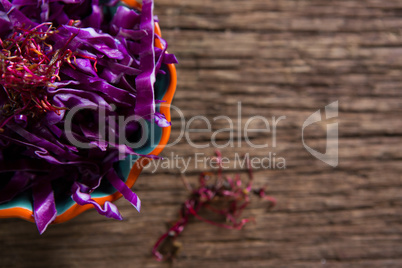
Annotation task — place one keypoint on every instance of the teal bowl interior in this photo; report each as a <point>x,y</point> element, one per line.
<point>123,167</point>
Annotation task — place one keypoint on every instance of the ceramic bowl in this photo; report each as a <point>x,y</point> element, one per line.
<point>21,207</point>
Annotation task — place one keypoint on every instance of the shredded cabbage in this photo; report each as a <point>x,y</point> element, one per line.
<point>66,55</point>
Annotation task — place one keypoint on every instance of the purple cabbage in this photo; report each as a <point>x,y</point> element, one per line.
<point>64,56</point>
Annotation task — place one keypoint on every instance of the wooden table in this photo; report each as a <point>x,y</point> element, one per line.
<point>278,58</point>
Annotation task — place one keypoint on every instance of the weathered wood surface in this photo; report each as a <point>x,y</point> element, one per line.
<point>279,58</point>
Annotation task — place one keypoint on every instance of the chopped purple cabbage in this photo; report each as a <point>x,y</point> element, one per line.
<point>57,56</point>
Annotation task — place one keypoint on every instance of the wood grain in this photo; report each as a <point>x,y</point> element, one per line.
<point>278,58</point>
